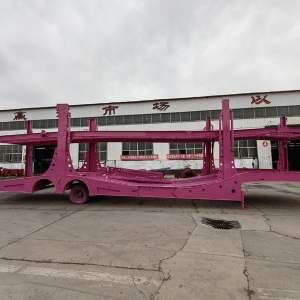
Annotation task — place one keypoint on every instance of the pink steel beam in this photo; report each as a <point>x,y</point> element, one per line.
<point>184,136</point>
<point>63,140</point>
<point>28,154</point>
<point>282,164</point>
<point>50,138</point>
<point>208,152</point>
<point>226,141</point>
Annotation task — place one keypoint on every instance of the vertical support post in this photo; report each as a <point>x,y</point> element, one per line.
<point>226,142</point>
<point>208,151</point>
<point>282,164</point>
<point>91,162</point>
<point>93,148</point>
<point>243,200</point>
<point>62,152</point>
<point>283,160</point>
<point>28,155</point>
<point>61,164</point>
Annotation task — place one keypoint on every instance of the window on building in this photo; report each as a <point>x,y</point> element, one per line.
<point>259,112</point>
<point>6,125</point>
<point>248,113</point>
<point>165,117</point>
<point>13,125</point>
<point>147,119</point>
<point>128,119</point>
<point>138,119</point>
<point>195,115</point>
<point>215,114</point>
<point>11,153</point>
<point>205,114</point>
<point>238,114</point>
<point>84,122</point>
<point>295,110</point>
<point>36,124</point>
<point>283,111</point>
<point>102,151</point>
<point>110,120</point>
<point>186,148</point>
<point>101,121</point>
<point>156,118</point>
<point>185,116</point>
<point>245,149</point>
<point>53,123</point>
<point>131,148</point>
<point>175,117</point>
<point>82,151</point>
<point>271,111</point>
<point>119,120</point>
<point>75,122</point>
<point>44,124</point>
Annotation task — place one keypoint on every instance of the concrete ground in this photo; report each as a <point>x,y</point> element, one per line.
<point>127,248</point>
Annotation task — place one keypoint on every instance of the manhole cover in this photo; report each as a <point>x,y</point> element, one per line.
<point>221,224</point>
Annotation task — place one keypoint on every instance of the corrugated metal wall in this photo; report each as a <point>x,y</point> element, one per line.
<point>176,105</point>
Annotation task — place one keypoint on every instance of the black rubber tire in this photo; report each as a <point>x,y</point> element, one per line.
<point>79,194</point>
<point>188,173</point>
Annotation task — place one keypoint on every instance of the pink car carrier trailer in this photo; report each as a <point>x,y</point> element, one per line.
<point>224,183</point>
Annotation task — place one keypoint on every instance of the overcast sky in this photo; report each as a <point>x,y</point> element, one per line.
<point>96,51</point>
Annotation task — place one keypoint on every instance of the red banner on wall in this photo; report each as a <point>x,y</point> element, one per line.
<point>184,156</point>
<point>139,157</point>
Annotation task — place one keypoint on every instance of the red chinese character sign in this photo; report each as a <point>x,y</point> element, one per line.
<point>184,156</point>
<point>161,105</point>
<point>265,143</point>
<point>109,109</point>
<point>258,100</point>
<point>20,115</point>
<point>139,157</point>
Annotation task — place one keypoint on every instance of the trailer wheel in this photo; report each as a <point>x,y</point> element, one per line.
<point>4,172</point>
<point>187,173</point>
<point>79,194</point>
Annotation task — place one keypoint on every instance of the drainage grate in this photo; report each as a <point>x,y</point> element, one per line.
<point>221,224</point>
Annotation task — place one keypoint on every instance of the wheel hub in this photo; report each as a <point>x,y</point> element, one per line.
<point>79,194</point>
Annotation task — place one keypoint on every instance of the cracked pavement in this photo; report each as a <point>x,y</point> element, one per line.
<point>133,248</point>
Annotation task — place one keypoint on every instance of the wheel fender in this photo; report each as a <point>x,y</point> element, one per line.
<point>4,172</point>
<point>187,173</point>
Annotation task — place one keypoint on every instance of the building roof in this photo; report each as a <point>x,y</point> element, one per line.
<point>151,100</point>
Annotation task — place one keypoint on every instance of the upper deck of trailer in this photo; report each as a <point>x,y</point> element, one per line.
<point>50,138</point>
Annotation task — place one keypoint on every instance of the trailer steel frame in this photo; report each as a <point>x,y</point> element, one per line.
<point>224,183</point>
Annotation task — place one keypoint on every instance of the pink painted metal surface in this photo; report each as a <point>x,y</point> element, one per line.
<point>93,179</point>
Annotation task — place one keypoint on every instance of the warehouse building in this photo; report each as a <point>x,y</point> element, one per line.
<point>251,110</point>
